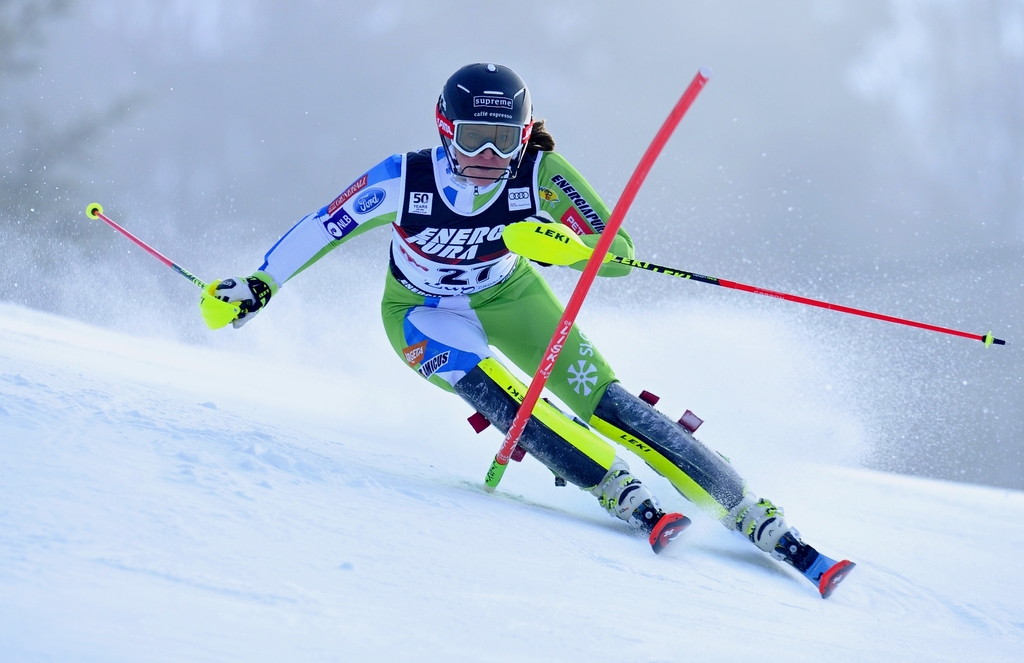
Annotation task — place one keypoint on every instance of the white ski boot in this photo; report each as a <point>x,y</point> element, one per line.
<point>759,520</point>
<point>626,498</point>
<point>763,523</point>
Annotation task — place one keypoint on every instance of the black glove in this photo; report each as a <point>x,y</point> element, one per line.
<point>251,293</point>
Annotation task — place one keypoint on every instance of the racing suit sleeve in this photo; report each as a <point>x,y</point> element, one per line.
<point>569,199</point>
<point>371,201</point>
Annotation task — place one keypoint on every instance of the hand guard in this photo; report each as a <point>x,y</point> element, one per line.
<point>541,217</point>
<point>251,293</point>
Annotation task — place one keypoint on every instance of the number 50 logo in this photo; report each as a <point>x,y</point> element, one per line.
<point>420,203</point>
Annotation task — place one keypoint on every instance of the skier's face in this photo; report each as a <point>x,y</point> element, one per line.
<point>484,168</point>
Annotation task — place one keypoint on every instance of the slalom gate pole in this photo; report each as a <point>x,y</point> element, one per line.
<point>564,326</point>
<point>558,245</point>
<point>216,313</point>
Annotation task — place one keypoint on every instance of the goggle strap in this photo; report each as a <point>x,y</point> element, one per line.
<point>444,125</point>
<point>527,132</point>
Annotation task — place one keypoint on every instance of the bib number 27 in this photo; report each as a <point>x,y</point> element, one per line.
<point>464,277</point>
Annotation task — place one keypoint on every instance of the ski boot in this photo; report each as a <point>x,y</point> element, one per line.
<point>765,525</point>
<point>623,496</point>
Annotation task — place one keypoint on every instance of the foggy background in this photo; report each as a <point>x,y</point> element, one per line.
<point>868,153</point>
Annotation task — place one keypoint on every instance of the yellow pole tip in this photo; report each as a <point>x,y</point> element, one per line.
<point>93,210</point>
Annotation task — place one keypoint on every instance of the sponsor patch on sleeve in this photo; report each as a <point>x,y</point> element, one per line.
<point>340,224</point>
<point>584,207</point>
<point>548,196</point>
<point>346,194</point>
<point>369,200</point>
<point>573,219</point>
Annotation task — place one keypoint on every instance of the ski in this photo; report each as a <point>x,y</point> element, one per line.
<point>665,532</point>
<point>823,571</point>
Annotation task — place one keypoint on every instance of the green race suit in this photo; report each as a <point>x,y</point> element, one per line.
<point>449,266</point>
<point>454,294</point>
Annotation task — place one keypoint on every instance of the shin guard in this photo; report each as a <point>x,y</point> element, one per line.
<point>568,449</point>
<point>699,474</point>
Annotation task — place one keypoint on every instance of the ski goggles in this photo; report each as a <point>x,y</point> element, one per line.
<point>472,138</point>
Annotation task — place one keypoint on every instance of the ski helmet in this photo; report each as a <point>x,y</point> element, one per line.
<point>485,106</point>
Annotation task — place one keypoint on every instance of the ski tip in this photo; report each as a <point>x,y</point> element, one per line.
<point>93,210</point>
<point>705,73</point>
<point>668,528</point>
<point>831,578</point>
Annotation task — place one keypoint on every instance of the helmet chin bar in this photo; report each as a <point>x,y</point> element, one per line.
<point>501,173</point>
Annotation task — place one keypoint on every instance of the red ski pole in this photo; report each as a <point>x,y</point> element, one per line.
<point>95,211</point>
<point>557,245</point>
<point>215,313</point>
<point>564,326</point>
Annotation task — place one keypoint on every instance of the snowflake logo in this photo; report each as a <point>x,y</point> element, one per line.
<point>582,375</point>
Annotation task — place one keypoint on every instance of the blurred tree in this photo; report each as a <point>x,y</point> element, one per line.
<point>26,144</point>
<point>950,72</point>
<point>41,160</point>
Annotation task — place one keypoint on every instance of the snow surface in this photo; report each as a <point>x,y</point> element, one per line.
<point>167,502</point>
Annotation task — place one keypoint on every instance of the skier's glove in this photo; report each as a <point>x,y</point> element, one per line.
<point>250,292</point>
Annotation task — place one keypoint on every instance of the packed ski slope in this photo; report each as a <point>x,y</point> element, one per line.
<point>166,502</point>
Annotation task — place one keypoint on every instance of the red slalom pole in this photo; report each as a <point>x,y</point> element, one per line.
<point>564,326</point>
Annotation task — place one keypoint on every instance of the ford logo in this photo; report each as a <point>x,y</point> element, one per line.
<point>369,201</point>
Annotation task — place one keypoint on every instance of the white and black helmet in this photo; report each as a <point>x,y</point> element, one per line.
<point>485,106</point>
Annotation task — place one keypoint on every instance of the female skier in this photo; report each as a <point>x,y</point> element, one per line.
<point>453,290</point>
